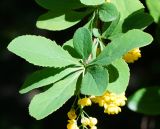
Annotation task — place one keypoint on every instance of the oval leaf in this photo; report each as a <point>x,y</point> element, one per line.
<point>131,22</point>
<point>118,76</point>
<point>49,101</point>
<point>108,29</point>
<point>82,42</point>
<point>60,20</point>
<point>45,77</point>
<point>95,81</point>
<point>146,101</point>
<point>119,46</point>
<point>125,8</point>
<point>154,8</point>
<point>41,51</point>
<point>108,12</point>
<point>68,46</point>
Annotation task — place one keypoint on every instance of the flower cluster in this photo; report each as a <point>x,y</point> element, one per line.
<point>72,123</point>
<point>72,114</point>
<point>84,102</point>
<point>85,121</point>
<point>110,101</point>
<point>91,122</point>
<point>132,55</point>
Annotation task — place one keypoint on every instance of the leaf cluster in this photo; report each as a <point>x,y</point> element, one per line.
<point>113,28</point>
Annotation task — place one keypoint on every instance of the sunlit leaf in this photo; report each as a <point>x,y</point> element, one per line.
<point>82,42</point>
<point>108,12</point>
<point>49,101</point>
<point>154,8</point>
<point>119,76</point>
<point>95,81</point>
<point>41,51</point>
<point>46,77</point>
<point>119,46</point>
<point>146,101</point>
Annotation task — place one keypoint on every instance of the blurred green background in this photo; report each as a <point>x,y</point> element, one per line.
<point>18,18</point>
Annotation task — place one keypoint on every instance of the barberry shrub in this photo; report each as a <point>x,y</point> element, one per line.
<point>92,66</point>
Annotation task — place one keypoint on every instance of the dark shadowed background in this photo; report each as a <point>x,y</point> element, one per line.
<point>18,17</point>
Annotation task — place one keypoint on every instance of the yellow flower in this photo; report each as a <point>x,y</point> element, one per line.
<point>93,127</point>
<point>93,121</point>
<point>112,109</point>
<point>98,99</point>
<point>110,101</point>
<point>132,55</point>
<point>94,99</point>
<point>72,114</point>
<point>101,102</point>
<point>85,102</point>
<point>85,121</point>
<point>72,124</point>
<point>120,101</point>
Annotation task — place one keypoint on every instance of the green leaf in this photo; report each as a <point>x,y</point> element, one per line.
<point>82,42</point>
<point>108,12</point>
<point>49,101</point>
<point>154,9</point>
<point>68,46</point>
<point>68,43</point>
<point>41,51</point>
<point>119,46</point>
<point>60,4</point>
<point>118,76</point>
<point>92,2</point>
<point>60,20</point>
<point>89,22</point>
<point>146,101</point>
<point>95,81</point>
<point>45,77</point>
<point>125,8</point>
<point>110,28</point>
<point>131,22</point>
